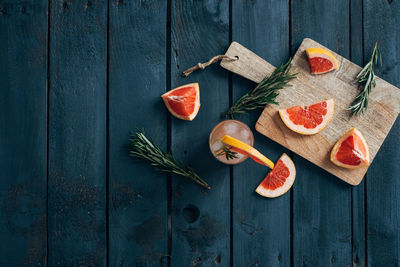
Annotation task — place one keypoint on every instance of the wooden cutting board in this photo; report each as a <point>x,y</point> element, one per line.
<point>375,124</point>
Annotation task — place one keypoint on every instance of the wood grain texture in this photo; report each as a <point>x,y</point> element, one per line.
<point>261,227</point>
<point>77,134</point>
<point>138,194</point>
<point>321,203</point>
<point>23,27</point>
<point>384,106</point>
<point>248,64</point>
<point>200,218</point>
<point>383,184</point>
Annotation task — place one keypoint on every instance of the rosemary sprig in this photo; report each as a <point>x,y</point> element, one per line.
<point>265,92</point>
<point>143,148</point>
<point>227,152</point>
<point>365,80</point>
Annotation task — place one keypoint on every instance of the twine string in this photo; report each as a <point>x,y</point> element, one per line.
<point>208,63</point>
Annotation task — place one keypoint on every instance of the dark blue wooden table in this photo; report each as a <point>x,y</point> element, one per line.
<point>77,76</point>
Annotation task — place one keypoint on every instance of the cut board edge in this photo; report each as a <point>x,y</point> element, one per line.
<point>233,66</point>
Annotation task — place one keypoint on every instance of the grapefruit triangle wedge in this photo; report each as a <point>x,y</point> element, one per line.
<point>279,180</point>
<point>351,150</point>
<point>184,101</point>
<point>245,149</point>
<point>321,60</point>
<point>308,120</point>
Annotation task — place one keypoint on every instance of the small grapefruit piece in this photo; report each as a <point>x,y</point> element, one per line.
<point>321,60</point>
<point>308,120</point>
<point>279,180</point>
<point>184,101</point>
<point>351,151</point>
<point>247,150</point>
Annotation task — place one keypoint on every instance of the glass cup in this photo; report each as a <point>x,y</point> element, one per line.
<point>233,128</point>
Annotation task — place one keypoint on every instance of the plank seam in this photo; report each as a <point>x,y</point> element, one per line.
<point>169,132</point>
<point>365,177</point>
<point>352,210</point>
<point>47,130</point>
<point>107,137</point>
<point>291,206</point>
<point>350,32</point>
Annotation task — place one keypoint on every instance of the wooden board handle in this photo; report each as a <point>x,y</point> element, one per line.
<point>248,65</point>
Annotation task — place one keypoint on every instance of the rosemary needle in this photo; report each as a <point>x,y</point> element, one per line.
<point>265,92</point>
<point>144,149</point>
<point>365,80</point>
<point>227,152</point>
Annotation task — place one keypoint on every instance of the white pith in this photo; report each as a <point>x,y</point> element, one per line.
<point>300,128</point>
<point>286,186</point>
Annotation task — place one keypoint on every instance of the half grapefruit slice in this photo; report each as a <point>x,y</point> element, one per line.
<point>321,60</point>
<point>308,120</point>
<point>279,180</point>
<point>351,151</point>
<point>245,149</point>
<point>184,101</point>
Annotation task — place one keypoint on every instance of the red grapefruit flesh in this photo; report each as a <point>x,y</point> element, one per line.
<point>183,102</point>
<point>279,180</point>
<point>308,120</point>
<point>320,65</point>
<point>321,60</point>
<point>351,151</point>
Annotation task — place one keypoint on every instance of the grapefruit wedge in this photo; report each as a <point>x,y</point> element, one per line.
<point>184,101</point>
<point>245,149</point>
<point>279,180</point>
<point>321,60</point>
<point>351,151</point>
<point>308,120</point>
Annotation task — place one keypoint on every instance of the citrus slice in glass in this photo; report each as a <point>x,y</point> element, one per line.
<point>245,149</point>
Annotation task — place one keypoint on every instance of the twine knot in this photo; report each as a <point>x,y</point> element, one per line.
<point>208,63</point>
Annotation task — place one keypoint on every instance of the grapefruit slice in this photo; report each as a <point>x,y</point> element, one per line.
<point>321,60</point>
<point>184,101</point>
<point>351,151</point>
<point>247,150</point>
<point>308,120</point>
<point>279,180</point>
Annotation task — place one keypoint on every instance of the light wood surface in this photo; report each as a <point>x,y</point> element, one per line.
<point>375,124</point>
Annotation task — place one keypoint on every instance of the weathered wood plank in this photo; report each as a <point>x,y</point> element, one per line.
<point>247,64</point>
<point>261,227</point>
<point>200,219</point>
<point>23,28</point>
<point>357,192</point>
<point>381,20</point>
<point>77,134</point>
<point>321,204</point>
<point>138,194</point>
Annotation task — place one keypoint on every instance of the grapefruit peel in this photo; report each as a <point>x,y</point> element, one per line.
<point>321,60</point>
